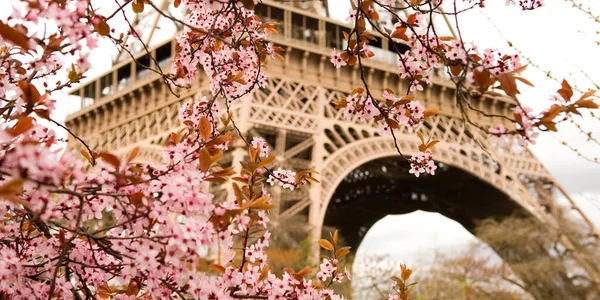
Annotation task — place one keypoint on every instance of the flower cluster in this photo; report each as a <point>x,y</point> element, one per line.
<point>422,163</point>
<point>361,106</point>
<point>227,43</point>
<point>261,145</point>
<point>498,135</point>
<point>44,42</point>
<point>404,111</point>
<point>191,112</point>
<point>526,4</point>
<point>284,178</point>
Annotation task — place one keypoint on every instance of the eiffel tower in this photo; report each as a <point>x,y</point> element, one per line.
<point>362,177</point>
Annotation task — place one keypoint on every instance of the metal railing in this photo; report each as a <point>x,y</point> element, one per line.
<point>294,24</point>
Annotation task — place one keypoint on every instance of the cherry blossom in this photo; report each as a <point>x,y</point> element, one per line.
<point>284,178</point>
<point>336,59</point>
<point>261,145</point>
<point>422,163</point>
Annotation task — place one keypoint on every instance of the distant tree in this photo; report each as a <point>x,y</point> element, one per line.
<point>533,266</point>
<point>537,254</point>
<point>471,275</point>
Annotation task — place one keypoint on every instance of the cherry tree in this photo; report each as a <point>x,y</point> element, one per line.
<point>99,226</point>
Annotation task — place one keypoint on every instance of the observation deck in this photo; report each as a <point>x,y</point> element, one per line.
<point>301,32</point>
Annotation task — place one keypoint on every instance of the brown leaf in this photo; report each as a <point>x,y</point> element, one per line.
<point>392,123</point>
<point>249,4</point>
<point>304,271</point>
<point>358,91</point>
<point>456,69</point>
<point>266,161</point>
<point>23,124</point>
<point>137,6</point>
<point>136,198</point>
<point>102,27</point>
<point>587,94</point>
<point>133,288</point>
<point>565,91</point>
<point>104,291</point>
<point>551,113</point>
<point>205,128</point>
<point>400,33</point>
<point>86,154</point>
<point>225,172</point>
<point>30,93</point>
<point>508,84</point>
<point>406,272</point>
<point>523,80</point>
<point>430,112</point>
<point>264,273</point>
<point>342,252</point>
<point>352,60</point>
<point>432,144</point>
<point>133,154</point>
<point>110,159</point>
<point>11,189</point>
<point>14,36</point>
<point>411,19</point>
<point>334,238</point>
<point>421,137</point>
<point>326,244</point>
<point>483,79</point>
<point>54,43</point>
<point>205,159</point>
<point>586,104</point>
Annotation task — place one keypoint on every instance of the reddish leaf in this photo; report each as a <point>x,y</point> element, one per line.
<point>14,36</point>
<point>565,91</point>
<point>30,92</point>
<point>400,33</point>
<point>411,19</point>
<point>137,6</point>
<point>11,189</point>
<point>205,159</point>
<point>342,252</point>
<point>23,124</point>
<point>326,244</point>
<point>525,81</point>
<point>219,269</point>
<point>110,159</point>
<point>249,4</point>
<point>102,28</point>
<point>136,198</point>
<point>86,154</point>
<point>430,112</point>
<point>133,154</point>
<point>587,94</point>
<point>456,69</point>
<point>508,84</point>
<point>205,128</point>
<point>586,104</point>
<point>133,288</point>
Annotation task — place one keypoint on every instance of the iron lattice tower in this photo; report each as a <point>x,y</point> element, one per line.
<point>129,106</point>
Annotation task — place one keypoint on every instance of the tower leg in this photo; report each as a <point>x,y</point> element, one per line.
<point>314,222</point>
